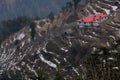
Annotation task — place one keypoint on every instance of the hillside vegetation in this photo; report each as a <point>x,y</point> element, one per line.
<point>55,48</point>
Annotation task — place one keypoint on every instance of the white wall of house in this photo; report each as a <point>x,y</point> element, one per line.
<point>82,24</point>
<point>102,19</point>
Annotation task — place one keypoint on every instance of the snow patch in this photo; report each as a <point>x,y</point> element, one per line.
<point>108,44</point>
<point>29,39</point>
<point>57,61</point>
<point>65,59</point>
<point>75,71</point>
<point>51,64</point>
<point>18,68</point>
<point>20,36</point>
<point>111,58</point>
<point>113,51</point>
<point>32,70</point>
<point>84,42</point>
<point>94,11</point>
<point>70,43</point>
<point>94,48</point>
<point>38,26</point>
<point>95,34</point>
<point>106,10</point>
<point>22,44</point>
<point>101,52</point>
<point>1,71</point>
<point>39,34</point>
<point>89,36</point>
<point>104,61</point>
<point>88,11</point>
<point>63,49</point>
<point>112,37</point>
<point>115,68</point>
<point>114,7</point>
<point>23,63</point>
<point>44,48</point>
<point>38,51</point>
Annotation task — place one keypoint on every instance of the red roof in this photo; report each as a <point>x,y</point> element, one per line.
<point>92,18</point>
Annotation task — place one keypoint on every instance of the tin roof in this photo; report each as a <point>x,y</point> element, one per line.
<point>92,18</point>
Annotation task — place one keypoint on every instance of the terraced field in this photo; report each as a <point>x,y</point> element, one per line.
<point>55,50</point>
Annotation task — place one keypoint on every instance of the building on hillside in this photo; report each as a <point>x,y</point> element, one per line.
<point>92,20</point>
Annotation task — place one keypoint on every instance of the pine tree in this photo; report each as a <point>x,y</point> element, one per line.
<point>76,2</point>
<point>51,16</point>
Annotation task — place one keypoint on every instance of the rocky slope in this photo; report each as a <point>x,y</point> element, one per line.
<point>60,46</point>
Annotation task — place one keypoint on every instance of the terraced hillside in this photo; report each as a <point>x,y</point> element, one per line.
<point>58,48</point>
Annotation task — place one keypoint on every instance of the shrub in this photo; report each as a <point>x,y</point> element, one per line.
<point>51,16</point>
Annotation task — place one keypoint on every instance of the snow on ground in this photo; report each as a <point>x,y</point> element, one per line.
<point>44,47</point>
<point>23,63</point>
<point>65,59</point>
<point>94,48</point>
<point>22,56</point>
<point>106,10</point>
<point>1,46</point>
<point>115,68</point>
<point>89,36</point>
<point>88,11</point>
<point>118,33</point>
<point>39,34</point>
<point>114,7</point>
<point>20,36</point>
<point>57,61</point>
<point>104,61</point>
<point>114,28</point>
<point>94,11</point>
<point>101,52</point>
<point>113,51</point>
<point>75,71</point>
<point>95,34</point>
<point>29,39</point>
<point>5,57</point>
<point>51,52</point>
<point>38,26</point>
<point>18,68</point>
<point>70,43</point>
<point>108,44</point>
<point>45,50</point>
<point>63,49</point>
<point>51,64</point>
<point>118,24</point>
<point>22,44</point>
<point>113,37</point>
<point>1,71</point>
<point>111,58</point>
<point>36,61</point>
<point>84,42</point>
<point>32,70</point>
<point>6,44</point>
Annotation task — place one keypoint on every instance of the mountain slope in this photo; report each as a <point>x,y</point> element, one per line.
<point>58,47</point>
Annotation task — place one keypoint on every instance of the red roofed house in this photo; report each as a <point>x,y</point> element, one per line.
<point>92,20</point>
